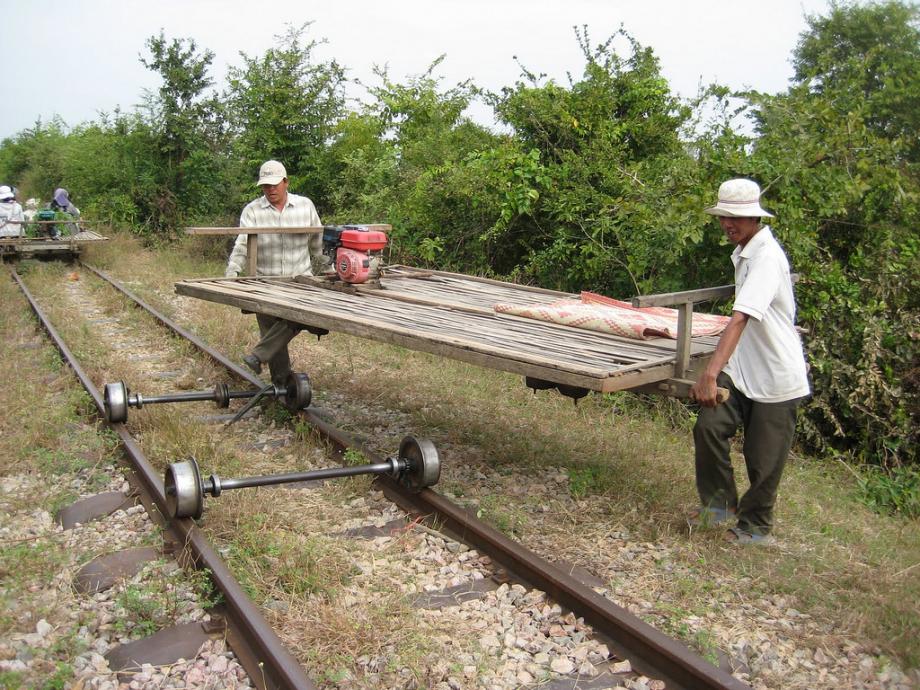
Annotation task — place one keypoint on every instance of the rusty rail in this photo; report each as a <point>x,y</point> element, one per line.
<point>260,651</point>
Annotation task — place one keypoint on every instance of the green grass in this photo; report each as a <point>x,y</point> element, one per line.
<point>502,514</point>
<point>896,490</point>
<point>140,611</point>
<point>270,560</point>
<point>11,680</point>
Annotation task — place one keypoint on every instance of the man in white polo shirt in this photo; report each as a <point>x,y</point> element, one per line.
<point>277,255</point>
<point>759,358</point>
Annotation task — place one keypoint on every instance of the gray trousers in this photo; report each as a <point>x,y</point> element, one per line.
<point>769,429</point>
<point>272,347</point>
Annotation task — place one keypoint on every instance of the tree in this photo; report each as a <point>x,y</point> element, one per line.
<point>609,206</point>
<point>863,58</point>
<point>286,106</point>
<point>189,131</point>
<point>427,140</point>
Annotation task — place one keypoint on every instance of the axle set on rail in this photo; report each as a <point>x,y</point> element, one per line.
<point>296,395</point>
<point>416,466</point>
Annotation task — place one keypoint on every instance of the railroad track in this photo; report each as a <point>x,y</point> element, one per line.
<point>439,557</point>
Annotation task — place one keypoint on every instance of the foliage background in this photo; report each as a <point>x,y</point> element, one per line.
<point>595,184</point>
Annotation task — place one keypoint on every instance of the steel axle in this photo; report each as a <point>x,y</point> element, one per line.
<point>416,466</point>
<point>117,397</point>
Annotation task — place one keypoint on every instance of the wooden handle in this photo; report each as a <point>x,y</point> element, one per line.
<point>681,389</point>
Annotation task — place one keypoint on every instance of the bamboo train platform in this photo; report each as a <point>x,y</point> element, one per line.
<point>452,315</point>
<point>28,247</point>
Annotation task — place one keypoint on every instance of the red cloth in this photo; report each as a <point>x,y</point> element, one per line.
<point>598,313</point>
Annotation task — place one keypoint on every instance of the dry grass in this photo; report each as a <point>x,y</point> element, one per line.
<point>46,422</point>
<point>280,550</point>
<point>841,562</point>
<point>632,465</point>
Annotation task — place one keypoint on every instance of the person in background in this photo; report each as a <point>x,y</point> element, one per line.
<point>63,209</point>
<point>759,358</point>
<point>61,203</point>
<point>278,255</point>
<point>11,215</point>
<point>30,210</point>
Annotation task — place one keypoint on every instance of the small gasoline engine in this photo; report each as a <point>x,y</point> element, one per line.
<point>355,251</point>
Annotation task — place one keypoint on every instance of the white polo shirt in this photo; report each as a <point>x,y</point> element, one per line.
<point>768,364</point>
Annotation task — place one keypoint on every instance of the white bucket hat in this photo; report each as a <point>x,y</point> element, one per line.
<point>6,193</point>
<point>739,198</point>
<point>271,172</point>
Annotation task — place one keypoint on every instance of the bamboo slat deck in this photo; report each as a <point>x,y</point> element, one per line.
<point>451,315</point>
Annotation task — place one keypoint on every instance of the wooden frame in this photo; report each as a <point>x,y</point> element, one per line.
<point>684,302</point>
<point>451,315</point>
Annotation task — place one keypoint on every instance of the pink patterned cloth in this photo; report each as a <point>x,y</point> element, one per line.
<point>598,313</point>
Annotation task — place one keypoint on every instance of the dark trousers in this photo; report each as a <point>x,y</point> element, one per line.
<point>272,347</point>
<point>769,429</point>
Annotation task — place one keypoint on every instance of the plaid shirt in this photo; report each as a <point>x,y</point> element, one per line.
<point>278,255</point>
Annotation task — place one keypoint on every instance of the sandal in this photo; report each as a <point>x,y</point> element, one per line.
<point>709,517</point>
<point>736,535</point>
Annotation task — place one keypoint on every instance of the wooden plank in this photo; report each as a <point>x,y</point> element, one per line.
<point>370,328</point>
<point>561,335</point>
<point>678,388</point>
<point>252,254</point>
<point>412,341</point>
<point>567,336</point>
<point>487,281</point>
<point>637,377</point>
<point>670,299</point>
<point>684,330</point>
<point>40,242</point>
<point>73,221</point>
<point>406,312</point>
<point>271,229</point>
<point>305,230</point>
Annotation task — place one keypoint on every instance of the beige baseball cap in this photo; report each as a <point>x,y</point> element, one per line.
<point>271,172</point>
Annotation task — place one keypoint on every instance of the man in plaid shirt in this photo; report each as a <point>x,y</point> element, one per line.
<point>278,255</point>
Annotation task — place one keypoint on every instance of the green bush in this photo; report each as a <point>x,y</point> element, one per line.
<point>896,490</point>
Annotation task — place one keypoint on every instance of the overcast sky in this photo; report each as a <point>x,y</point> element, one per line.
<point>76,58</point>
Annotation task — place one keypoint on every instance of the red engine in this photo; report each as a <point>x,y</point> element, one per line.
<point>357,250</point>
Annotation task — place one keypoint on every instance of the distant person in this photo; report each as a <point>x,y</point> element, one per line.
<point>30,209</point>
<point>759,358</point>
<point>278,255</point>
<point>61,202</point>
<point>65,210</point>
<point>11,214</point>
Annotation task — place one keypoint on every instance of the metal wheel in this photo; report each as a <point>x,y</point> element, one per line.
<point>115,402</point>
<point>222,395</point>
<point>184,494</point>
<point>299,392</point>
<point>424,465</point>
